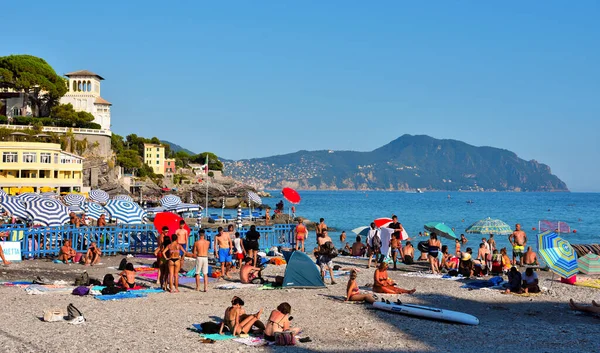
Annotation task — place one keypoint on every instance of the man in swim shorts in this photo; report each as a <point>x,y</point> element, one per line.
<point>518,240</point>
<point>200,251</point>
<point>223,248</point>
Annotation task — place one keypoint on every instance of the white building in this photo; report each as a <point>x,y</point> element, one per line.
<point>84,94</point>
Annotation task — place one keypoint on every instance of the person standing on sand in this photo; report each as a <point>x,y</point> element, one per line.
<point>301,234</point>
<point>251,244</point>
<point>324,260</point>
<point>182,238</point>
<point>432,255</point>
<point>397,227</point>
<point>373,244</point>
<point>200,252</point>
<point>223,248</point>
<point>172,254</point>
<point>518,240</point>
<point>492,243</point>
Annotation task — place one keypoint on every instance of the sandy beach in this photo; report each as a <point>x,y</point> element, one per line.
<point>161,322</point>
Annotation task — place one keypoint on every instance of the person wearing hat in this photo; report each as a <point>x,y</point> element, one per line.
<point>465,267</point>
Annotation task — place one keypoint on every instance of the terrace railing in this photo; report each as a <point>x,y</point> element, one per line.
<point>39,242</point>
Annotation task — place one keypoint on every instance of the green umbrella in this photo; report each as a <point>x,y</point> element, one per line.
<point>489,226</point>
<point>589,264</point>
<point>440,229</point>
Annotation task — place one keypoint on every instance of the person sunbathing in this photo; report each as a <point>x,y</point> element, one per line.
<point>449,261</point>
<point>127,277</point>
<point>530,257</point>
<point>593,309</point>
<point>409,254</point>
<point>249,273</point>
<point>384,284</point>
<point>279,321</point>
<point>233,321</point>
<point>93,254</point>
<point>353,293</point>
<point>66,253</point>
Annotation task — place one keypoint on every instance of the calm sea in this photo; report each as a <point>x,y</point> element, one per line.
<point>346,210</point>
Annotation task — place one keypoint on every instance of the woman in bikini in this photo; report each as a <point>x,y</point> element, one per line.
<point>236,321</point>
<point>353,293</point>
<point>127,279</point>
<point>163,266</point>
<point>171,254</point>
<point>432,255</point>
<point>384,284</point>
<point>301,233</point>
<point>279,321</point>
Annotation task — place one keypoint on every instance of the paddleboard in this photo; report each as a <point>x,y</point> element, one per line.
<point>428,312</point>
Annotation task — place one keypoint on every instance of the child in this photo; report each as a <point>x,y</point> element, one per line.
<point>239,249</point>
<point>127,279</point>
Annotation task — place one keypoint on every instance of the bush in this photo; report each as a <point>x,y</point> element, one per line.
<point>27,120</point>
<point>3,119</point>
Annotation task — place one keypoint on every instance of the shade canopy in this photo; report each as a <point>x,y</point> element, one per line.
<point>125,211</point>
<point>98,195</point>
<point>440,229</point>
<point>589,264</point>
<point>169,201</point>
<point>489,226</point>
<point>558,254</point>
<point>291,195</point>
<point>47,212</point>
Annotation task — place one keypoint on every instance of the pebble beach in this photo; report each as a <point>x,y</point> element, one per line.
<point>161,322</point>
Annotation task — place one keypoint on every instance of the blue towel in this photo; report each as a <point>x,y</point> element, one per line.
<point>121,295</point>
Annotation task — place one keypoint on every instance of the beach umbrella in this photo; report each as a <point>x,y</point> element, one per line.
<point>94,210</point>
<point>99,196</point>
<point>291,195</point>
<point>47,212</point>
<point>238,221</point>
<point>169,201</point>
<point>51,195</point>
<point>73,199</point>
<point>558,254</point>
<point>170,220</point>
<point>589,264</point>
<point>489,226</point>
<point>252,196</point>
<point>125,211</point>
<point>382,222</point>
<point>156,209</point>
<point>75,209</point>
<point>14,206</point>
<point>122,197</point>
<point>2,193</point>
<point>28,196</point>
<point>185,207</point>
<point>440,229</point>
<point>362,231</point>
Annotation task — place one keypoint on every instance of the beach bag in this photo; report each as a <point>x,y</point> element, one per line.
<point>329,250</point>
<point>210,327</point>
<point>376,241</point>
<point>285,338</point>
<point>73,312</point>
<point>113,290</point>
<point>122,264</point>
<point>54,315</point>
<point>108,281</point>
<point>81,291</point>
<point>82,280</point>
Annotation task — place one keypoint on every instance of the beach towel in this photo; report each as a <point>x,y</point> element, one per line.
<point>430,275</point>
<point>269,286</point>
<point>122,295</point>
<point>494,282</point>
<point>236,285</point>
<point>17,283</point>
<point>144,269</point>
<point>526,294</point>
<point>48,288</point>
<point>252,341</point>
<point>212,336</point>
<point>590,283</point>
<point>337,274</point>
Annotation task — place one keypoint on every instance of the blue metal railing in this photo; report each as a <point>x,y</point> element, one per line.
<point>46,241</point>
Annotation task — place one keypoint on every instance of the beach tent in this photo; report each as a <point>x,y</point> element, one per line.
<point>302,272</point>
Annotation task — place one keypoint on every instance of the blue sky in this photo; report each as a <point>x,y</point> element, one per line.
<point>253,79</point>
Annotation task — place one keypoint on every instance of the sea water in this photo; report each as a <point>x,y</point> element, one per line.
<point>346,210</point>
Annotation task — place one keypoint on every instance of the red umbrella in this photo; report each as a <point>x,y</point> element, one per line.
<point>382,222</point>
<point>291,195</point>
<point>170,220</point>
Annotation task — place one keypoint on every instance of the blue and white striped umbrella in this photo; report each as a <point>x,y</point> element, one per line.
<point>28,196</point>
<point>252,196</point>
<point>169,201</point>
<point>125,211</point>
<point>98,196</point>
<point>185,207</point>
<point>47,212</point>
<point>94,210</point>
<point>75,209</point>
<point>51,195</point>
<point>2,193</point>
<point>74,199</point>
<point>156,209</point>
<point>14,206</point>
<point>123,197</point>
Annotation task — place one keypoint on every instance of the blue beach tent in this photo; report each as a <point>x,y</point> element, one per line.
<point>302,272</point>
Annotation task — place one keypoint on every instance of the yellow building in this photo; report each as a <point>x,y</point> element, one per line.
<point>37,167</point>
<point>154,156</point>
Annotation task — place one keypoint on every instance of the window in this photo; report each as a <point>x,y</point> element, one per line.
<point>157,162</point>
<point>56,158</point>
<point>157,155</point>
<point>157,149</point>
<point>16,112</point>
<point>74,86</point>
<point>89,86</point>
<point>29,157</point>
<point>46,158</point>
<point>10,157</point>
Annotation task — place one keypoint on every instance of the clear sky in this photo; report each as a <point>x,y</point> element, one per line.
<point>251,79</point>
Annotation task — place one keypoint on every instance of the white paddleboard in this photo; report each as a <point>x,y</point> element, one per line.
<point>428,312</point>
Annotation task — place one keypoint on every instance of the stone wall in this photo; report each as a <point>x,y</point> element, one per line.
<point>98,146</point>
